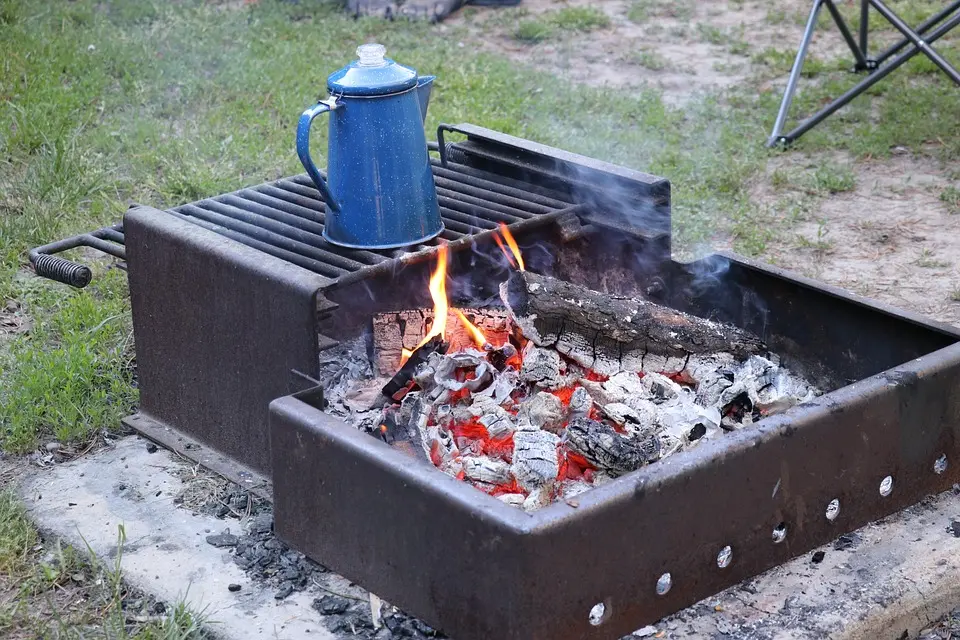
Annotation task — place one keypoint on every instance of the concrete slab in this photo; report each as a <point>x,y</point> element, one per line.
<point>166,554</point>
<point>896,576</point>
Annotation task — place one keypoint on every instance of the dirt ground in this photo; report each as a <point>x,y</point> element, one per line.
<point>891,237</point>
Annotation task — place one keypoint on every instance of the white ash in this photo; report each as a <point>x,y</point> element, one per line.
<point>655,363</point>
<point>538,498</point>
<point>580,403</point>
<point>608,450</point>
<point>504,383</point>
<point>486,470</point>
<point>542,367</point>
<point>661,388</point>
<point>512,499</point>
<point>624,386</point>
<point>627,417</point>
<point>544,411</point>
<point>472,361</point>
<point>534,457</point>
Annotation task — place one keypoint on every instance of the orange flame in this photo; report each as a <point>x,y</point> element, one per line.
<point>514,249</point>
<point>438,292</point>
<point>496,238</point>
<point>478,338</point>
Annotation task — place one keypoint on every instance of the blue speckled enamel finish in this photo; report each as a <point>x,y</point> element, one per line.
<point>354,80</point>
<point>379,189</point>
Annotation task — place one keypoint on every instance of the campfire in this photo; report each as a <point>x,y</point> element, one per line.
<point>561,390</point>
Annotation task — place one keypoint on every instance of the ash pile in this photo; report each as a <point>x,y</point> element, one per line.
<point>580,388</point>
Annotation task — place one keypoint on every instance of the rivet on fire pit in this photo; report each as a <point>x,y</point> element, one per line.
<point>833,510</point>
<point>725,557</point>
<point>664,583</point>
<point>886,486</point>
<point>600,613</point>
<point>780,533</point>
<point>940,465</point>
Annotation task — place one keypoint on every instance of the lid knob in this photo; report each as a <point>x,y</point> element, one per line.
<point>371,55</point>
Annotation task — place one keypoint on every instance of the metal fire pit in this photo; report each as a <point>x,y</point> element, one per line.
<point>235,297</point>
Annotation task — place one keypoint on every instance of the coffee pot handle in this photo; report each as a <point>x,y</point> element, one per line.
<point>303,148</point>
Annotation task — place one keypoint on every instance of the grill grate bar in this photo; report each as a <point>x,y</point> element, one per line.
<point>474,183</point>
<point>310,264</point>
<point>224,216</point>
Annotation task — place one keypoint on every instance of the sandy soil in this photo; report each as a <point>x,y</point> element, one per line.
<point>683,48</point>
<point>890,238</point>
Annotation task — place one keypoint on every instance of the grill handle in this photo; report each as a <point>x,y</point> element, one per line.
<point>61,270</point>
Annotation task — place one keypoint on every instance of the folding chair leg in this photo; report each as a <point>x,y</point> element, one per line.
<point>922,29</point>
<point>859,56</point>
<point>922,45</point>
<point>864,29</point>
<point>866,83</point>
<point>795,74</point>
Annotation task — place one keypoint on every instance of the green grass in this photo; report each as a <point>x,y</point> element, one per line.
<point>641,11</point>
<point>550,24</point>
<point>649,60</point>
<point>179,101</point>
<point>951,195</point>
<point>51,590</point>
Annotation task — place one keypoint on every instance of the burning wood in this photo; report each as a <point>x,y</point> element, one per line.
<point>572,388</point>
<point>588,326</point>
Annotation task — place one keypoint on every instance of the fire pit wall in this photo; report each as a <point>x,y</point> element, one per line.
<point>650,542</point>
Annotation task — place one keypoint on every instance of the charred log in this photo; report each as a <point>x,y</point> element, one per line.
<point>606,449</point>
<point>395,331</point>
<point>614,333</point>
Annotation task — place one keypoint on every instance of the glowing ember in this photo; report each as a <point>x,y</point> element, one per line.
<point>516,260</point>
<point>478,338</point>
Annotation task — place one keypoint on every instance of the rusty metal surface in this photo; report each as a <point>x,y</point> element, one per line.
<point>477,568</point>
<point>218,327</point>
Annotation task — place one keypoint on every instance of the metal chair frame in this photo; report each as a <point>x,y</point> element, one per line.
<point>917,41</point>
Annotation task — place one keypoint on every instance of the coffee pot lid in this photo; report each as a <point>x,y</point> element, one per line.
<point>372,74</point>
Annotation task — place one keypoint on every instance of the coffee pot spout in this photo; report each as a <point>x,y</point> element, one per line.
<point>424,86</point>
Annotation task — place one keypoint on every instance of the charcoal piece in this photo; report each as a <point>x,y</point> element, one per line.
<point>818,556</point>
<point>580,403</point>
<point>499,356</point>
<point>546,309</point>
<point>544,411</point>
<point>846,542</point>
<point>606,449</point>
<point>534,457</point>
<point>223,540</point>
<point>624,416</point>
<point>661,388</point>
<point>285,590</point>
<point>446,374</point>
<point>233,587</point>
<point>331,605</point>
<point>262,523</point>
<point>485,469</point>
<point>504,383</point>
<point>542,367</point>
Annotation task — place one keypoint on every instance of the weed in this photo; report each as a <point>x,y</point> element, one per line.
<point>579,19</point>
<point>955,295</point>
<point>649,60</point>
<point>566,20</point>
<point>928,261</point>
<point>711,34</point>
<point>642,10</point>
<point>533,31</point>
<point>831,178</point>
<point>951,195</point>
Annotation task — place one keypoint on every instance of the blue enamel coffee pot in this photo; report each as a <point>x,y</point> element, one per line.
<point>379,189</point>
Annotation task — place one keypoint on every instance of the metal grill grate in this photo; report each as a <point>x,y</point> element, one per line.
<point>285,219</point>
